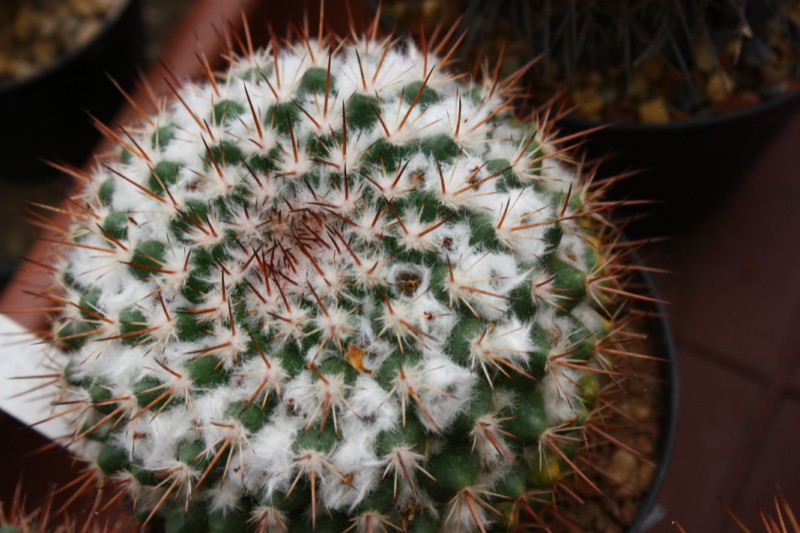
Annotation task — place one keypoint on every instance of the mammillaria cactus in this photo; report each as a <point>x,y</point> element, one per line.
<point>337,287</point>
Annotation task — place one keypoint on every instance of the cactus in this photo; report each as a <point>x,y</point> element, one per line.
<point>15,519</point>
<point>337,287</point>
<point>781,519</point>
<point>646,60</point>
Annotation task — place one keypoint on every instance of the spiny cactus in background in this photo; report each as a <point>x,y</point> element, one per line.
<point>337,287</point>
<point>645,60</point>
<point>782,520</point>
<point>19,516</point>
<point>14,518</point>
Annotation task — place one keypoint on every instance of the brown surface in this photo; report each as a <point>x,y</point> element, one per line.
<point>714,401</point>
<point>736,319</point>
<point>26,457</point>
<point>776,462</point>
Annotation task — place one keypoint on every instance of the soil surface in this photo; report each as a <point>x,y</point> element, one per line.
<point>627,437</point>
<point>34,34</point>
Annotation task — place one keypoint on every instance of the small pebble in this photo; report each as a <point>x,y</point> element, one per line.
<point>774,73</point>
<point>704,59</point>
<point>639,87</point>
<point>719,87</point>
<point>590,101</point>
<point>431,9</point>
<point>654,111</point>
<point>628,511</point>
<point>623,467</point>
<point>644,478</point>
<point>644,445</point>
<point>734,50</point>
<point>642,412</point>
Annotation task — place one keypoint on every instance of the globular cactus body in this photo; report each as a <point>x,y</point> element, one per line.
<point>335,287</point>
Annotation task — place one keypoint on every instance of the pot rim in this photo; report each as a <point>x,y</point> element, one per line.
<point>63,62</point>
<point>691,124</point>
<point>659,327</point>
<point>658,324</point>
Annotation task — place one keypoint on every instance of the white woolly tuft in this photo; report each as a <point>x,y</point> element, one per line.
<point>573,250</point>
<point>376,351</point>
<point>164,433</point>
<point>433,322</point>
<point>506,347</point>
<point>560,393</point>
<point>446,389</point>
<point>591,319</point>
<point>210,409</point>
<point>225,497</point>
<point>270,454</point>
<point>372,411</point>
<point>483,283</point>
<point>522,220</point>
<point>350,459</point>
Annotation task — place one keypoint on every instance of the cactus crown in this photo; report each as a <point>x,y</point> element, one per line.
<point>335,287</point>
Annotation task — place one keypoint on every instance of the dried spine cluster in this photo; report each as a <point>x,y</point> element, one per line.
<point>336,287</point>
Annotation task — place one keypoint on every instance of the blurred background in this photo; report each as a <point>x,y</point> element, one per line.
<point>723,168</point>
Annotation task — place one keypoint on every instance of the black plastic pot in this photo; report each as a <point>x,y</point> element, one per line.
<point>45,116</point>
<point>7,269</point>
<point>660,335</point>
<point>687,168</point>
<point>665,142</point>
